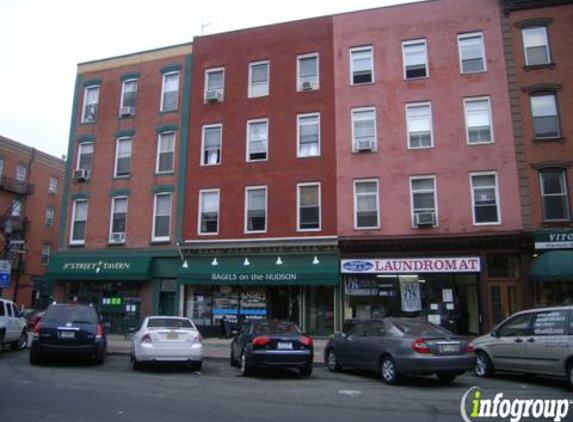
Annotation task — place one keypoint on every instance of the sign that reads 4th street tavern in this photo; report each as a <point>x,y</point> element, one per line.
<point>96,266</point>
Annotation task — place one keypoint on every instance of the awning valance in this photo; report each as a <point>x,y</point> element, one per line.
<point>552,266</point>
<point>99,268</point>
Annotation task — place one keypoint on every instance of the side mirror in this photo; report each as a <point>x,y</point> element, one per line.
<point>494,333</point>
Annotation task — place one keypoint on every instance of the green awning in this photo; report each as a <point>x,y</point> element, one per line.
<point>262,270</point>
<point>81,267</point>
<point>553,266</point>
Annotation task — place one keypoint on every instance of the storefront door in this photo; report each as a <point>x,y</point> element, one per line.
<point>504,300</point>
<point>320,309</point>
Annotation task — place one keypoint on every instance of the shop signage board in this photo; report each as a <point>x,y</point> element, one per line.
<point>95,268</point>
<point>5,270</point>
<point>554,240</point>
<point>471,264</point>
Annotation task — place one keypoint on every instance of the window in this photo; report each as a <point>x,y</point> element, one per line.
<point>214,85</point>
<point>85,156</point>
<point>536,46</point>
<point>123,157</point>
<point>307,72</point>
<point>79,222</point>
<point>46,247</point>
<point>361,65</point>
<point>209,211</point>
<point>258,79</point>
<point>415,59</point>
<point>545,117</point>
<point>165,152</point>
<point>1,167</point>
<point>118,225</point>
<point>485,198</point>
<point>308,135</point>
<point>419,122</point>
<point>50,215</point>
<point>478,121</point>
<point>170,92</point>
<point>308,206</point>
<point>212,145</point>
<point>423,191</point>
<point>128,94</point>
<point>554,196</point>
<point>16,208</point>
<point>91,98</point>
<point>515,327</point>
<point>256,210</point>
<point>21,172</point>
<point>257,140</point>
<point>550,323</point>
<point>363,129</point>
<point>472,53</point>
<point>53,186</point>
<point>366,214</point>
<point>161,217</point>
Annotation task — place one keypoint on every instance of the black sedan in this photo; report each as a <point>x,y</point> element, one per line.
<point>272,343</point>
<point>69,331</point>
<point>396,346</point>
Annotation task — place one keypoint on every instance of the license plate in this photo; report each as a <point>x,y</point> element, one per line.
<point>67,334</point>
<point>284,345</point>
<point>172,336</point>
<point>450,348</point>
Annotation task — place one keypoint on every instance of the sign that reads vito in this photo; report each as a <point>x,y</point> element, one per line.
<point>470,264</point>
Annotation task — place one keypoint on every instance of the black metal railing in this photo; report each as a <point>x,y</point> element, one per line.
<point>20,187</point>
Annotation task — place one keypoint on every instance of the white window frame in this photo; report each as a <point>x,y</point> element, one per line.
<point>206,85</point>
<point>53,185</point>
<point>352,120</point>
<point>85,105</point>
<point>46,252</point>
<point>246,222</point>
<point>74,211</point>
<point>300,117</point>
<point>21,173</point>
<point>490,117</point>
<point>565,194</point>
<point>414,105</point>
<point>123,91</point>
<point>268,84</point>
<point>434,192</point>
<point>315,85</point>
<point>163,92</point>
<point>155,200</point>
<point>50,220</point>
<point>117,157</point>
<point>546,39</point>
<point>111,232</point>
<point>461,38</point>
<point>158,155</point>
<point>298,205</point>
<point>359,49</point>
<point>355,201</point>
<point>497,196</point>
<point>553,95</point>
<point>200,206</point>
<point>248,146</point>
<point>203,130</point>
<point>80,148</point>
<point>426,63</point>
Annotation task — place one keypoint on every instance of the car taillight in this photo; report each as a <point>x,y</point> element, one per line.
<point>261,341</point>
<point>470,348</point>
<point>198,338</point>
<point>99,331</point>
<point>420,346</point>
<point>306,341</point>
<point>146,338</point>
<point>37,330</point>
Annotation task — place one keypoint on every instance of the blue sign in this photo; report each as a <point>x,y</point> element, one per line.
<point>5,270</point>
<point>358,266</point>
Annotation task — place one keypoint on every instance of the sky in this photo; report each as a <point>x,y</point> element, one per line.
<point>42,41</point>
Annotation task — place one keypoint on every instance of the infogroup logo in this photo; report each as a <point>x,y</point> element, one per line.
<point>513,410</point>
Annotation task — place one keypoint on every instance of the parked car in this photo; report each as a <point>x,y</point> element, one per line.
<point>271,344</point>
<point>537,341</point>
<point>12,326</point>
<point>33,316</point>
<point>69,331</point>
<point>167,339</point>
<point>397,346</point>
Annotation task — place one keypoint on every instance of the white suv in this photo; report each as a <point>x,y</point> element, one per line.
<point>12,326</point>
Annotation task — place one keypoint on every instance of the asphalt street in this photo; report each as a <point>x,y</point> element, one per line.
<point>114,392</point>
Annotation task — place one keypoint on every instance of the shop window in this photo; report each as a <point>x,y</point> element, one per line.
<point>472,53</point>
<point>91,99</point>
<point>366,215</point>
<point>170,92</point>
<point>415,58</point>
<point>553,293</point>
<point>307,72</point>
<point>419,122</point>
<point>536,46</point>
<point>209,211</point>
<point>308,206</point>
<point>554,194</point>
<point>123,157</point>
<point>212,145</point>
<point>545,116</point>
<point>502,266</point>
<point>259,79</point>
<point>361,65</point>
<point>308,135</point>
<point>364,130</point>
<point>257,140</point>
<point>214,85</point>
<point>128,94</point>
<point>256,212</point>
<point>478,121</point>
<point>485,197</point>
<point>165,152</point>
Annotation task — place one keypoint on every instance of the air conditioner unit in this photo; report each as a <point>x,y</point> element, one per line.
<point>213,96</point>
<point>307,86</point>
<point>365,145</point>
<point>118,237</point>
<point>81,175</point>
<point>127,111</point>
<point>422,219</point>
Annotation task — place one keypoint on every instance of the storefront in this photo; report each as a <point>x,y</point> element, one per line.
<point>233,288</point>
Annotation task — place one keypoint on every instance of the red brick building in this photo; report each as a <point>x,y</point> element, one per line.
<point>30,199</point>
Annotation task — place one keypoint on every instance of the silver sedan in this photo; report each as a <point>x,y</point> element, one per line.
<point>167,339</point>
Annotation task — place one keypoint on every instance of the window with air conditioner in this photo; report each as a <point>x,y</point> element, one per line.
<point>256,209</point>
<point>214,85</point>
<point>79,222</point>
<point>361,65</point>
<point>536,46</point>
<point>258,79</point>
<point>165,153</point>
<point>485,199</point>
<point>123,157</point>
<point>170,92</point>
<point>118,226</point>
<point>423,199</point>
<point>257,140</point>
<point>419,123</point>
<point>366,204</point>
<point>415,57</point>
<point>128,96</point>
<point>308,135</point>
<point>554,194</point>
<point>209,211</point>
<point>91,99</point>
<point>308,199</point>
<point>211,145</point>
<point>472,53</point>
<point>162,206</point>
<point>479,128</point>
<point>364,130</point>
<point>307,72</point>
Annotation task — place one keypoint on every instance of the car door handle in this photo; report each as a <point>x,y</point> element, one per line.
<point>518,340</point>
<point>531,340</point>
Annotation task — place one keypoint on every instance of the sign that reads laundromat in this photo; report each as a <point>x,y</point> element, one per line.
<point>470,264</point>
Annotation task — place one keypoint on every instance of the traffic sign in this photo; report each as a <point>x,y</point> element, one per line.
<point>5,270</point>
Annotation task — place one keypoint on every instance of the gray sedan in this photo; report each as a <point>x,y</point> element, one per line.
<point>397,346</point>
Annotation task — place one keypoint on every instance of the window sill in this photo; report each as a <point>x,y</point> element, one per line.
<point>126,177</point>
<point>116,243</point>
<point>559,139</point>
<point>160,112</point>
<point>87,123</point>
<point>126,117</point>
<point>419,78</point>
<point>362,83</point>
<point>76,245</point>
<point>556,223</point>
<point>477,144</point>
<point>529,68</point>
<point>160,242</point>
<point>167,173</point>
<point>308,156</point>
<point>477,72</point>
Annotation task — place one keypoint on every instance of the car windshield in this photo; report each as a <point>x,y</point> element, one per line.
<point>275,327</point>
<point>169,323</point>
<point>72,313</point>
<point>418,328</point>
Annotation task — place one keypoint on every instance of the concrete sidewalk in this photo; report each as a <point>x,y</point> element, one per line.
<point>213,348</point>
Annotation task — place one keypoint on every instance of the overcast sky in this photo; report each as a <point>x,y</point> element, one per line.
<point>42,41</point>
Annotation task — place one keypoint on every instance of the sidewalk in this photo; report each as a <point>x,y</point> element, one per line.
<point>213,348</point>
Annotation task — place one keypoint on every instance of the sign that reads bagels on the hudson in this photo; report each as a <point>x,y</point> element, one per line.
<point>470,264</point>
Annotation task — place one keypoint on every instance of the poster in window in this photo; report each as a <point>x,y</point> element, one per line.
<point>410,293</point>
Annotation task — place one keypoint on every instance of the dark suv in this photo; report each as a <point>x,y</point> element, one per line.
<point>69,330</point>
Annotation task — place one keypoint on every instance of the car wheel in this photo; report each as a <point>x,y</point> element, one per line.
<point>447,377</point>
<point>196,366</point>
<point>484,367</point>
<point>306,371</point>
<point>245,369</point>
<point>388,370</point>
<point>332,361</point>
<point>34,356</point>
<point>135,364</point>
<point>232,360</point>
<point>22,341</point>
<point>570,372</point>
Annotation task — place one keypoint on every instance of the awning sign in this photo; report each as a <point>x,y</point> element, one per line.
<point>470,264</point>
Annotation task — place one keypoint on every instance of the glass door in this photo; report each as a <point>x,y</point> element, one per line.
<point>504,299</point>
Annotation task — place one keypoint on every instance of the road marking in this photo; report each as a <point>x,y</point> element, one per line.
<point>350,393</point>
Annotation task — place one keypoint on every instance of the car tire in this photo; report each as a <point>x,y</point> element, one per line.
<point>232,359</point>
<point>389,371</point>
<point>570,373</point>
<point>34,357</point>
<point>305,371</point>
<point>244,365</point>
<point>447,377</point>
<point>22,341</point>
<point>332,361</point>
<point>135,364</point>
<point>196,366</point>
<point>484,367</point>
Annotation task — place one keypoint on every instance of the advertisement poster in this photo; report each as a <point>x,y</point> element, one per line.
<point>410,293</point>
